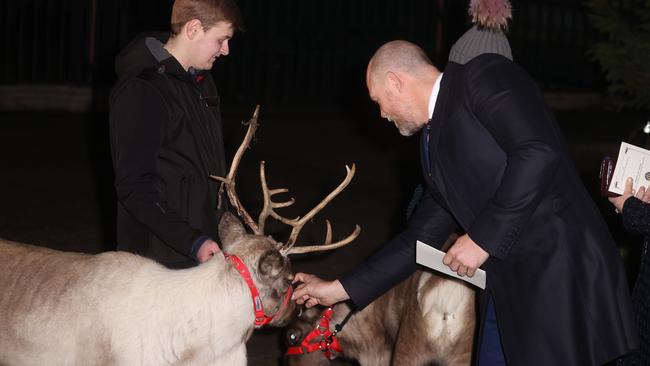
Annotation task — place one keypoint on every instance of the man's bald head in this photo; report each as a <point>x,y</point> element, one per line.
<point>400,78</point>
<point>398,56</point>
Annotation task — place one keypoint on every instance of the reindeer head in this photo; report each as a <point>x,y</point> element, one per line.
<point>270,270</point>
<point>266,259</point>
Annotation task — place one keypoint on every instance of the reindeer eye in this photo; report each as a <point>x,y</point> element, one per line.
<point>293,339</point>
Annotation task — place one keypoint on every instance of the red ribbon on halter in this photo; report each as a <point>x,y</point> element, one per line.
<point>321,338</point>
<point>260,316</point>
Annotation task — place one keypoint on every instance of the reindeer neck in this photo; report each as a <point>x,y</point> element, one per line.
<point>212,293</point>
<point>368,332</point>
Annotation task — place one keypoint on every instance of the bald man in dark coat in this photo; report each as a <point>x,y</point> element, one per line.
<point>496,168</point>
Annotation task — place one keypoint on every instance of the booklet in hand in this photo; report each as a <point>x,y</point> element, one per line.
<point>632,162</point>
<point>431,257</point>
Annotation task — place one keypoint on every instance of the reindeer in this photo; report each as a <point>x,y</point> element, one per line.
<point>426,320</point>
<point>118,308</point>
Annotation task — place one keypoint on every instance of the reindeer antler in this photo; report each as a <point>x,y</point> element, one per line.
<point>268,204</point>
<point>298,223</point>
<point>228,183</point>
<point>328,242</point>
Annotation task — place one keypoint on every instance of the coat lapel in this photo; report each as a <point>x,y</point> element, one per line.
<point>437,121</point>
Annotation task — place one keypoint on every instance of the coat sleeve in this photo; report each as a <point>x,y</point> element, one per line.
<point>636,216</point>
<point>138,118</point>
<point>395,261</point>
<point>511,107</point>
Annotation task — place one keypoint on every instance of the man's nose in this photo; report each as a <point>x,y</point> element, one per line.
<point>225,49</point>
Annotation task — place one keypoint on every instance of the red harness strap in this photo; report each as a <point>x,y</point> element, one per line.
<point>260,316</point>
<point>321,338</point>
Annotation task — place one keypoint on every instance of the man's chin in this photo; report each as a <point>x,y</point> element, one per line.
<point>206,66</point>
<point>407,130</point>
<point>406,133</point>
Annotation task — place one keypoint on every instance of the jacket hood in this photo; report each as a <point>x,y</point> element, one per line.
<point>139,54</point>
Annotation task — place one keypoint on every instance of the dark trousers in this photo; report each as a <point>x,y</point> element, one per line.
<point>490,350</point>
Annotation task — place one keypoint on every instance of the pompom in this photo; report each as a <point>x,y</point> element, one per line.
<point>492,14</point>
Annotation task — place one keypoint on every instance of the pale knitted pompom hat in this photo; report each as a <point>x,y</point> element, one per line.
<point>490,18</point>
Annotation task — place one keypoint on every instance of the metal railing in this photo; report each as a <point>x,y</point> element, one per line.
<point>44,41</point>
<point>292,50</point>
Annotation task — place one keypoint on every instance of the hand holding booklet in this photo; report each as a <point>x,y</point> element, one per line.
<point>431,257</point>
<point>634,162</point>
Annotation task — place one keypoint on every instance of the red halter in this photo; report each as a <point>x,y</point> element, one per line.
<point>321,338</point>
<point>260,317</point>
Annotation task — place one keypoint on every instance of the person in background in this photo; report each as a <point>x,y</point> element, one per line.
<point>487,33</point>
<point>635,210</point>
<point>166,135</point>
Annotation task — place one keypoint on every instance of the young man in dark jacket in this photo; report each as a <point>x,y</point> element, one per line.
<point>166,135</point>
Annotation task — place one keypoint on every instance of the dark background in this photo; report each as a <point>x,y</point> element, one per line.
<point>304,62</point>
<point>292,51</point>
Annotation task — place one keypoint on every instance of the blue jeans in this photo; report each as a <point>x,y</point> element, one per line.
<point>490,350</point>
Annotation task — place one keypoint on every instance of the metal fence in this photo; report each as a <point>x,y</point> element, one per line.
<point>45,41</point>
<point>296,50</point>
<point>550,39</point>
<point>292,50</point>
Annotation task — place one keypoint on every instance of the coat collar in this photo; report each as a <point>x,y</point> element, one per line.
<point>441,116</point>
<point>438,119</point>
<point>172,67</point>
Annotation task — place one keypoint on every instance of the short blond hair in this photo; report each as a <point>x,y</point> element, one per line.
<point>209,12</point>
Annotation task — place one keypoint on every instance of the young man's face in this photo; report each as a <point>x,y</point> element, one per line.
<point>210,44</point>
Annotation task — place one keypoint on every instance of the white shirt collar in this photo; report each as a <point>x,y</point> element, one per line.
<point>434,95</point>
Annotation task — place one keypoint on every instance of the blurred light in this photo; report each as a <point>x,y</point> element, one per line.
<point>646,128</point>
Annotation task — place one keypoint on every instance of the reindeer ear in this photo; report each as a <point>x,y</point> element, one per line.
<point>271,264</point>
<point>230,229</point>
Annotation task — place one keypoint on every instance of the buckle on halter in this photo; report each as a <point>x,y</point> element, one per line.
<point>324,345</point>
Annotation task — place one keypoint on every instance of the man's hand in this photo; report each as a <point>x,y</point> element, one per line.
<point>643,194</point>
<point>465,256</point>
<point>313,291</point>
<point>207,250</point>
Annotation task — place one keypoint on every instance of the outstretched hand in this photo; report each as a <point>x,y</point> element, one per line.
<point>465,256</point>
<point>313,291</point>
<point>208,249</point>
<point>643,194</point>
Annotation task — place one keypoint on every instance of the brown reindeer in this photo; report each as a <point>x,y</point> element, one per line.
<point>118,308</point>
<point>426,320</point>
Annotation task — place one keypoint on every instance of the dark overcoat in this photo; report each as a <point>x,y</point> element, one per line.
<point>636,219</point>
<point>499,171</point>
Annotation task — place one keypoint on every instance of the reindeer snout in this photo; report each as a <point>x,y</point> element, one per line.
<point>286,315</point>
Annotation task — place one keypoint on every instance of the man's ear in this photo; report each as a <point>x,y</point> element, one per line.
<point>394,81</point>
<point>192,28</point>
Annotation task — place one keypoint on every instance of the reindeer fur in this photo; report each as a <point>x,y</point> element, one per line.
<point>426,320</point>
<point>117,308</point>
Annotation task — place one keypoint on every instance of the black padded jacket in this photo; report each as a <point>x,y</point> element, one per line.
<point>166,140</point>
